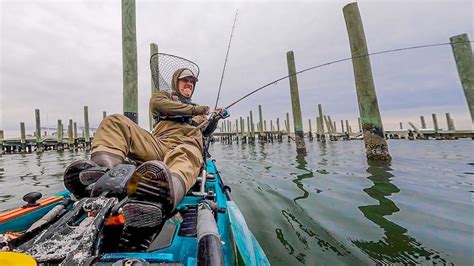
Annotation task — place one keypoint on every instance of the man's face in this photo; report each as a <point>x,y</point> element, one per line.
<point>186,86</point>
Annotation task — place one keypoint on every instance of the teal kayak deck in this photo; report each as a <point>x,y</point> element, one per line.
<point>239,246</point>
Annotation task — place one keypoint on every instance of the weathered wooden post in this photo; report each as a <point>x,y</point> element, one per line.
<point>153,50</point>
<point>333,130</point>
<point>401,125</point>
<point>252,131</point>
<point>129,58</point>
<point>321,122</point>
<point>374,137</point>
<point>435,123</point>
<point>248,129</point>
<point>22,137</point>
<point>39,141</point>
<point>287,125</point>
<point>465,64</point>
<point>449,122</point>
<point>295,103</point>
<point>70,136</point>
<point>1,142</point>
<point>342,126</point>
<point>260,118</point>
<point>87,138</point>
<point>423,124</point>
<point>278,130</point>
<point>75,132</point>
<point>59,145</point>
<point>347,127</point>
<point>334,126</point>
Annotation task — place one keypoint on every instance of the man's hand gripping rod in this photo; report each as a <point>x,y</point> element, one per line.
<point>214,116</point>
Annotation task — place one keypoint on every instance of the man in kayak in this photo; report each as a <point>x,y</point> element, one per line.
<point>170,157</point>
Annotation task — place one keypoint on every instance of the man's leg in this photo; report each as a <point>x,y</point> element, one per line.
<point>185,161</point>
<point>119,137</point>
<point>116,138</point>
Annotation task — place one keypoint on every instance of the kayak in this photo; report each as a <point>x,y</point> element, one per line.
<point>207,228</point>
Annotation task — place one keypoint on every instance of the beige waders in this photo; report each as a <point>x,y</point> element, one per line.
<point>168,142</point>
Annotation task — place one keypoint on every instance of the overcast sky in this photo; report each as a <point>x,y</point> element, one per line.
<point>58,56</point>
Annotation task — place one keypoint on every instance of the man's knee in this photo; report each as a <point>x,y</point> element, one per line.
<point>115,119</point>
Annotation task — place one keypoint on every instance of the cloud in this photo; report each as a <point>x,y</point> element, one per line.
<point>60,56</point>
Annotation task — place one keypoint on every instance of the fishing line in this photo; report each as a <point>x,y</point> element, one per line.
<point>226,56</point>
<point>342,60</point>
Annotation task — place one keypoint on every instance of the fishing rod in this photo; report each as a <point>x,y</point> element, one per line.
<point>226,56</point>
<point>338,61</point>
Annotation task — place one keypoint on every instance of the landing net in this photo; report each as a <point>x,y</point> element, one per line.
<point>163,67</point>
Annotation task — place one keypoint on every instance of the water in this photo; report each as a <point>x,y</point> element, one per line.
<point>329,206</point>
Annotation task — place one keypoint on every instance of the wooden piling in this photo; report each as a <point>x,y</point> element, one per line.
<point>374,137</point>
<point>59,135</point>
<point>260,118</point>
<point>449,122</point>
<point>326,121</point>
<point>278,129</point>
<point>87,138</point>
<point>22,136</point>
<point>435,123</point>
<point>401,125</point>
<point>129,58</point>
<point>295,102</point>
<point>1,142</point>
<point>331,125</point>
<point>321,123</point>
<point>287,125</point>
<point>334,127</point>
<point>342,126</point>
<point>248,126</point>
<point>75,131</point>
<point>39,142</point>
<point>464,58</point>
<point>423,124</point>
<point>153,50</point>
<point>252,132</point>
<point>70,136</point>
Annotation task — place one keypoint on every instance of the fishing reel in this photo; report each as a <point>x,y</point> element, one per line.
<point>222,115</point>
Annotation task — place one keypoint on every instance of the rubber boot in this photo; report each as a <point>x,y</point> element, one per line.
<point>177,189</point>
<point>72,181</point>
<point>154,193</point>
<point>106,159</point>
<point>80,174</point>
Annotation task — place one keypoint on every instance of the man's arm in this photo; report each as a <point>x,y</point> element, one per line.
<point>162,103</point>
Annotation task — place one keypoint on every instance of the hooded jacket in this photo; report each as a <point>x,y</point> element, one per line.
<point>172,104</point>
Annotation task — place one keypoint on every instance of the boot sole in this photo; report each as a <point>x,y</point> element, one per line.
<point>142,214</point>
<point>72,180</point>
<point>150,182</point>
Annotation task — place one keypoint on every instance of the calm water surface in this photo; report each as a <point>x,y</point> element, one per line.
<point>329,206</point>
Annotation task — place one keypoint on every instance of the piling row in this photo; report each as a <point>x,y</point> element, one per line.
<point>57,141</point>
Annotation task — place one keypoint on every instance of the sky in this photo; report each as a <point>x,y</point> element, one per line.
<point>58,56</point>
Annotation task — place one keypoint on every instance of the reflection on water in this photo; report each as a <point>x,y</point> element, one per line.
<point>397,246</point>
<point>301,164</point>
<point>327,207</point>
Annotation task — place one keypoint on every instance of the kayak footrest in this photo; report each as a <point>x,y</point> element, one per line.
<point>189,224</point>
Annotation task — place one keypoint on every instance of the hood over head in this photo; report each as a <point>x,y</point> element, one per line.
<point>181,73</point>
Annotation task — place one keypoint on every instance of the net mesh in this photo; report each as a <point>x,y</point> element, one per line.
<point>163,67</point>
